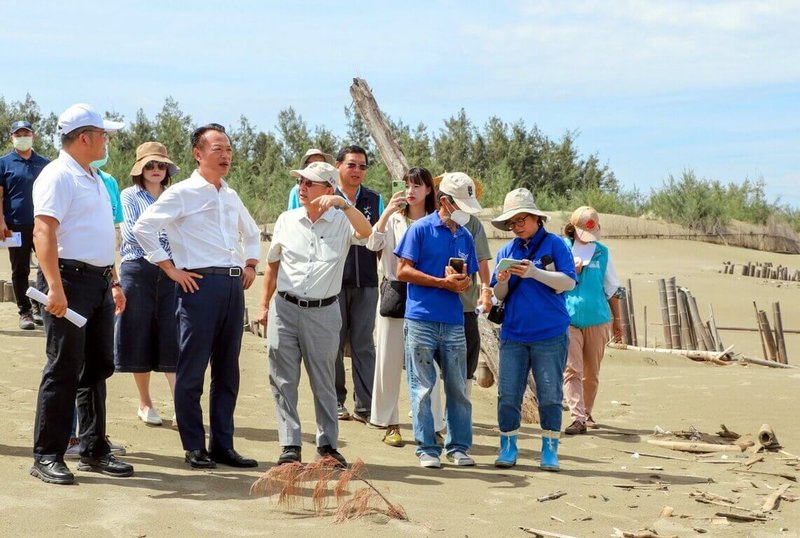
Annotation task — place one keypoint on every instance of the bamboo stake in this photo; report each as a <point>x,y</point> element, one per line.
<point>699,329</point>
<point>762,362</point>
<point>662,299</point>
<point>626,332</point>
<point>766,332</point>
<point>688,340</point>
<point>752,330</point>
<point>631,314</point>
<point>645,324</point>
<point>779,339</point>
<point>672,308</point>
<point>714,330</point>
<point>761,333</point>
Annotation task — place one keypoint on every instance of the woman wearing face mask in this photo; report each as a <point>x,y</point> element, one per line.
<point>146,337</point>
<point>593,307</point>
<point>405,207</point>
<point>533,336</point>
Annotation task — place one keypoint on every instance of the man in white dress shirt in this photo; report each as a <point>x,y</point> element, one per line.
<point>215,247</point>
<point>76,244</point>
<point>305,264</point>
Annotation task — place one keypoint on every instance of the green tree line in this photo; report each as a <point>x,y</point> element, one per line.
<point>503,156</point>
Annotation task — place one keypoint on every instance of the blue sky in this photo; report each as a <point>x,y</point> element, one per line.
<point>652,87</point>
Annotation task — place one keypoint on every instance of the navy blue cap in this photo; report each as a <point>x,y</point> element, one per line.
<point>17,125</point>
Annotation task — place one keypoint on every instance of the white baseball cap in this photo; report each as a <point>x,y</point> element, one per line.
<point>462,189</point>
<point>83,115</point>
<point>319,172</point>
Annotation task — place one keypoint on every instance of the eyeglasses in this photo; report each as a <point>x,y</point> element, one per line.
<point>511,224</point>
<point>152,165</point>
<point>105,133</point>
<point>308,183</point>
<point>353,166</point>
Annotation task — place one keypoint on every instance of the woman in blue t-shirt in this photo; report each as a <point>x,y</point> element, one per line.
<point>533,336</point>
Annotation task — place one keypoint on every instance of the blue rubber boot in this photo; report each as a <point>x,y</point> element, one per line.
<point>508,450</point>
<point>550,451</point>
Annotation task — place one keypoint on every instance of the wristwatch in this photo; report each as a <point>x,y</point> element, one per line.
<point>116,284</point>
<point>347,203</point>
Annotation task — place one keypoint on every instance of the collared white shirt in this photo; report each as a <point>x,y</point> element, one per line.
<point>206,227</point>
<point>79,201</point>
<point>385,242</point>
<point>312,255</point>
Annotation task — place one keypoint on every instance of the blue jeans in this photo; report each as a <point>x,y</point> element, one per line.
<point>444,343</point>
<point>546,359</point>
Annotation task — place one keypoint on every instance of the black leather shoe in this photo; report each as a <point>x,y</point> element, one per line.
<point>199,459</point>
<point>291,454</point>
<point>327,450</point>
<point>232,458</point>
<point>52,472</point>
<point>108,464</point>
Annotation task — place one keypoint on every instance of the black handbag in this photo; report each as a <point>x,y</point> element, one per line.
<point>498,311</point>
<point>393,298</point>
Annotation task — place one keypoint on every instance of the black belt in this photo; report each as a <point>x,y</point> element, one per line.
<point>226,271</point>
<point>75,265</point>
<point>306,303</point>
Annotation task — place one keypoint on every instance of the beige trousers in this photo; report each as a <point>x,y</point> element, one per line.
<point>582,374</point>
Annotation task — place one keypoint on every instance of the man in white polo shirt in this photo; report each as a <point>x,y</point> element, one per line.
<point>75,243</point>
<point>305,264</point>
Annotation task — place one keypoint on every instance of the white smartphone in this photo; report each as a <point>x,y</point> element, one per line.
<point>506,263</point>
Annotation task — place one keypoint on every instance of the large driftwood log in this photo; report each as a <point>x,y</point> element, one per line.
<point>688,446</point>
<point>490,356</point>
<point>694,354</point>
<point>396,163</point>
<point>378,128</point>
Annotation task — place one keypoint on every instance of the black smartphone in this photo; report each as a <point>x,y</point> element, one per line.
<point>457,264</point>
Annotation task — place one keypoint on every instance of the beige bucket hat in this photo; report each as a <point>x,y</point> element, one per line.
<point>516,202</point>
<point>152,151</point>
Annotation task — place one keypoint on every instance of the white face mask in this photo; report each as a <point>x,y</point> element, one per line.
<point>22,143</point>
<point>459,217</point>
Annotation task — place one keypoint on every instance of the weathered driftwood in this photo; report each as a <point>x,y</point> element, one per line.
<point>688,446</point>
<point>767,437</point>
<point>772,500</point>
<point>551,496</point>
<point>762,362</point>
<point>694,354</point>
<point>378,128</point>
<point>490,356</point>
<point>544,534</point>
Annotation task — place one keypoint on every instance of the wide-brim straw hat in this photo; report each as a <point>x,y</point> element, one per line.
<point>517,202</point>
<point>314,151</point>
<point>152,151</point>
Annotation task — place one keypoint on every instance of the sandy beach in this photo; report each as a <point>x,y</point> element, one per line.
<point>606,486</point>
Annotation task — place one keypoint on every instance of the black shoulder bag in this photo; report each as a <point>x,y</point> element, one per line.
<point>498,311</point>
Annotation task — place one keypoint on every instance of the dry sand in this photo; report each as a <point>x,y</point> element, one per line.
<point>638,391</point>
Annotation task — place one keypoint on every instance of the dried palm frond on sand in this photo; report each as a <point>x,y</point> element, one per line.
<point>291,482</point>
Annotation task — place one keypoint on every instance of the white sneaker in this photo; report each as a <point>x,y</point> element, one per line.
<point>462,459</point>
<point>431,462</point>
<point>150,416</point>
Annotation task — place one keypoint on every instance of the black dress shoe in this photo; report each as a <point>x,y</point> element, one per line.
<point>291,454</point>
<point>199,459</point>
<point>232,458</point>
<point>327,450</point>
<point>108,464</point>
<point>52,472</point>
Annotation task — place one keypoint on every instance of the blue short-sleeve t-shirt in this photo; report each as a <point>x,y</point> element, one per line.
<point>430,244</point>
<point>16,179</point>
<point>534,311</point>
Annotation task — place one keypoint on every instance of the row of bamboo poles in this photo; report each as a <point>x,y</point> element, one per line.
<point>773,344</point>
<point>763,270</point>
<point>682,324</point>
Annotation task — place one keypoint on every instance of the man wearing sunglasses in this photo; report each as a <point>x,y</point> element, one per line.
<point>75,243</point>
<point>358,299</point>
<point>306,260</point>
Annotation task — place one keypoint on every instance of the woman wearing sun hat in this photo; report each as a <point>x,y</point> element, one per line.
<point>533,335</point>
<point>145,334</point>
<point>593,307</point>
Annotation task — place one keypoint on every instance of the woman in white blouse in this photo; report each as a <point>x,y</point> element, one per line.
<point>405,207</point>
